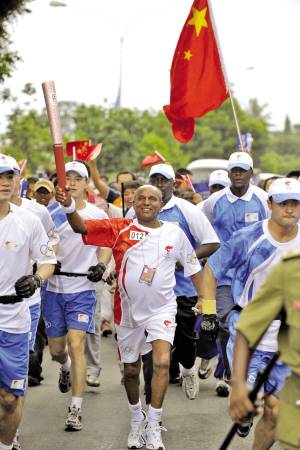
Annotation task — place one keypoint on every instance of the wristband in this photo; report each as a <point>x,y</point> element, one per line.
<point>209,306</point>
<point>39,280</point>
<point>71,208</point>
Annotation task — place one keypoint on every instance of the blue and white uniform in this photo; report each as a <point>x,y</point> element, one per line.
<point>228,213</point>
<point>250,254</point>
<point>69,302</point>
<point>34,302</point>
<point>22,240</point>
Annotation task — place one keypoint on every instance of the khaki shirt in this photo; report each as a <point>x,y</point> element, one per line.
<point>280,292</point>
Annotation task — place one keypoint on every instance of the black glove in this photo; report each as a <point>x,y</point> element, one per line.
<point>57,268</point>
<point>27,285</point>
<point>96,272</point>
<point>210,325</point>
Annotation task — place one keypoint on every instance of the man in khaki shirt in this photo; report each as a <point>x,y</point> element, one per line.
<point>279,294</point>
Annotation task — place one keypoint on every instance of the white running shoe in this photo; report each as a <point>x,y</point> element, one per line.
<point>190,386</point>
<point>73,422</point>
<point>135,439</point>
<point>152,437</point>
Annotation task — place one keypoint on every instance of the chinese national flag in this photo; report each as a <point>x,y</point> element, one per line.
<point>197,80</point>
<point>78,146</point>
<point>83,150</point>
<point>149,160</point>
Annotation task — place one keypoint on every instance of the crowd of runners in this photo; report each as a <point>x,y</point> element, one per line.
<point>168,274</point>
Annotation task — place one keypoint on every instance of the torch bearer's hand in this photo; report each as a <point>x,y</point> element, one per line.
<point>63,197</point>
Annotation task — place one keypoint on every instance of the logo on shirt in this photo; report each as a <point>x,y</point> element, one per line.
<point>47,250</point>
<point>137,235</point>
<point>168,249</point>
<point>83,318</point>
<point>192,259</point>
<point>11,245</point>
<point>251,217</point>
<point>17,384</point>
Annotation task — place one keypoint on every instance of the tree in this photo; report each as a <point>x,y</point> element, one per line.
<point>9,10</point>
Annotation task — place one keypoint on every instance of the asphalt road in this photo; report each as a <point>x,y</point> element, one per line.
<point>198,424</point>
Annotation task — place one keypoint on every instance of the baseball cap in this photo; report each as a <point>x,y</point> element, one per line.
<point>11,162</point>
<point>77,167</point>
<point>163,169</point>
<point>284,189</point>
<point>47,184</point>
<point>240,159</point>
<point>5,164</point>
<point>219,177</point>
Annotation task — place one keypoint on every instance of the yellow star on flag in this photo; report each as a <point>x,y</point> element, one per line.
<point>187,55</point>
<point>198,20</point>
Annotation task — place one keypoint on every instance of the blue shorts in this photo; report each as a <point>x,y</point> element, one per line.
<point>258,362</point>
<point>63,312</point>
<point>224,303</point>
<point>35,312</point>
<point>14,358</point>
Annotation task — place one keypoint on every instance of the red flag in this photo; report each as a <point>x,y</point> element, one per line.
<point>83,150</point>
<point>188,182</point>
<point>76,146</point>
<point>197,79</point>
<point>149,160</point>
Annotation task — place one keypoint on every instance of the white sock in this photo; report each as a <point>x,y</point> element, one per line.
<point>154,415</point>
<point>185,372</point>
<point>5,447</point>
<point>136,412</point>
<point>66,366</point>
<point>76,401</point>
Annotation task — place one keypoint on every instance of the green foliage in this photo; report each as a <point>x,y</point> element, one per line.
<point>128,135</point>
<point>9,9</point>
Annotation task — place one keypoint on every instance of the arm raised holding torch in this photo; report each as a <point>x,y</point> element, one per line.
<point>54,123</point>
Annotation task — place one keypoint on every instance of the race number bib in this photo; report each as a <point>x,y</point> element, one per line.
<point>137,235</point>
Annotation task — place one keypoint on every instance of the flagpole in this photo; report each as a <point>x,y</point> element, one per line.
<point>225,76</point>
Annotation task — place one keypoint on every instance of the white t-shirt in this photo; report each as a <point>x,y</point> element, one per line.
<point>74,256</point>
<point>22,240</point>
<point>43,214</point>
<point>136,247</point>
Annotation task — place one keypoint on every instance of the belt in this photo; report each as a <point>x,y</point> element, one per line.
<point>10,299</point>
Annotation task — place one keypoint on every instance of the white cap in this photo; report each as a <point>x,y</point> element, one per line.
<point>11,162</point>
<point>6,164</point>
<point>163,169</point>
<point>219,177</point>
<point>240,159</point>
<point>78,167</point>
<point>284,189</point>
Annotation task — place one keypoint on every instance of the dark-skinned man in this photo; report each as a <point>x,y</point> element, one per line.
<point>234,207</point>
<point>146,251</point>
<point>204,241</point>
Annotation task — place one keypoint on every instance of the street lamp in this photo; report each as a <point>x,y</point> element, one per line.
<point>57,3</point>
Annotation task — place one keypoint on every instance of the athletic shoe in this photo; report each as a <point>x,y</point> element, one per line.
<point>93,381</point>
<point>73,422</point>
<point>190,386</point>
<point>222,388</point>
<point>204,370</point>
<point>106,329</point>
<point>64,381</point>
<point>152,436</point>
<point>244,429</point>
<point>135,439</point>
<point>16,444</point>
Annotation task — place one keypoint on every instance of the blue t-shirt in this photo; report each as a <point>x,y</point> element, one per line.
<point>228,213</point>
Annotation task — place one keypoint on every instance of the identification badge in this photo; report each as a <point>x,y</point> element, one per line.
<point>147,275</point>
<point>251,217</point>
<point>136,235</point>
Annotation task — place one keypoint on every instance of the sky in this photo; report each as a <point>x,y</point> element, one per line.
<point>78,46</point>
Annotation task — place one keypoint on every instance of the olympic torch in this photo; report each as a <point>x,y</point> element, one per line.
<point>54,124</point>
